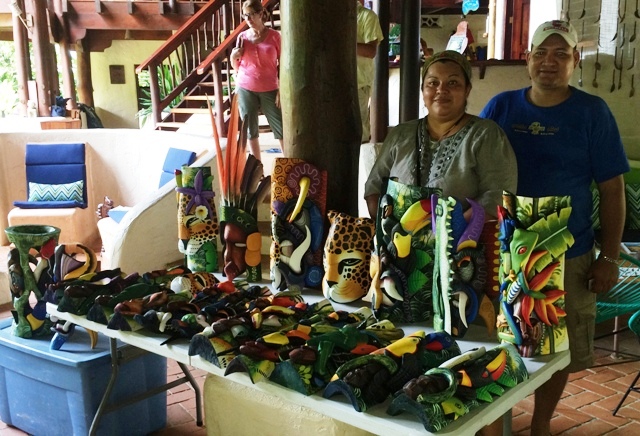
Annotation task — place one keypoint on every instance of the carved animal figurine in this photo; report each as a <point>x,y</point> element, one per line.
<point>23,281</point>
<point>462,278</point>
<point>534,238</point>
<point>369,380</point>
<point>197,218</point>
<point>402,266</point>
<point>298,201</point>
<point>103,208</point>
<point>455,387</point>
<point>242,187</point>
<point>347,256</point>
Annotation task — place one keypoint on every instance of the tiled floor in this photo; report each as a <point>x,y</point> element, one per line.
<point>591,395</point>
<point>585,409</point>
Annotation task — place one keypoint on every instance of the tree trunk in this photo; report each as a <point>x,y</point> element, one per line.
<point>318,91</point>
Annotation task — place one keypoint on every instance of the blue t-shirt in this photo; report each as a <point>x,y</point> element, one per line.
<point>561,150</point>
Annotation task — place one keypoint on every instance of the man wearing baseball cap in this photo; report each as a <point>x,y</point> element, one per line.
<point>565,140</point>
<point>555,27</point>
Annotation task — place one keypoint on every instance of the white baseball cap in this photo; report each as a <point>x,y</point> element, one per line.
<point>555,27</point>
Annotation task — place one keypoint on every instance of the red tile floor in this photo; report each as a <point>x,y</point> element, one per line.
<point>584,410</point>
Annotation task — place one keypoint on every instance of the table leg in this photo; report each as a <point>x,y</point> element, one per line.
<point>196,388</point>
<point>116,361</point>
<point>506,422</point>
<point>115,366</point>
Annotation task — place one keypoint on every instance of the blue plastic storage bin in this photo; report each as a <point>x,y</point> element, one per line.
<point>57,392</point>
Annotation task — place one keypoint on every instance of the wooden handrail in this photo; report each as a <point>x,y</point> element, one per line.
<point>221,50</point>
<point>192,25</point>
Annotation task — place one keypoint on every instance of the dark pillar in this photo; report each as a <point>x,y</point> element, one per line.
<point>380,94</point>
<point>410,61</point>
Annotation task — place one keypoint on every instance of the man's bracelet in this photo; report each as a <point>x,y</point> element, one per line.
<point>608,259</point>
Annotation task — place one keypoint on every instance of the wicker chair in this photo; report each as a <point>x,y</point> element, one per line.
<point>623,299</point>
<point>634,326</point>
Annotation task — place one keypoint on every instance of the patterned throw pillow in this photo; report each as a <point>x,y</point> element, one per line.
<point>64,192</point>
<point>632,191</point>
<point>595,212</point>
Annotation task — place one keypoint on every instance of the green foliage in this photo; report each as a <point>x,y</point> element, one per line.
<point>168,82</point>
<point>554,236</point>
<point>8,80</point>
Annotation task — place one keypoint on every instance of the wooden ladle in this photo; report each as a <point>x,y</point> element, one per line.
<point>580,66</point>
<point>613,81</point>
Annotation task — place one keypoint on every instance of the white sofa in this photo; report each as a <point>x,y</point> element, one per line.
<point>124,164</point>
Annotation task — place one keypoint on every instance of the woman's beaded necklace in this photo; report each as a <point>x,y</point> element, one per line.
<point>423,138</point>
<point>445,134</point>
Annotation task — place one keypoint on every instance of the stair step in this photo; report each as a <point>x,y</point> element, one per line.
<point>172,124</point>
<point>264,227</point>
<point>200,97</point>
<point>189,110</point>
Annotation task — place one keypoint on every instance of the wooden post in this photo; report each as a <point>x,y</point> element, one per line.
<point>318,91</point>
<point>380,95</point>
<point>85,85</point>
<point>410,61</point>
<point>154,89</point>
<point>54,78</point>
<point>42,54</point>
<point>21,42</point>
<point>69,89</point>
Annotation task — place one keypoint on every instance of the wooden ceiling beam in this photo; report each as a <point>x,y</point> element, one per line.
<point>126,21</point>
<point>128,7</point>
<point>99,40</point>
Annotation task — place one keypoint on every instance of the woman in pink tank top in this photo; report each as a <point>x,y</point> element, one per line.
<point>256,59</point>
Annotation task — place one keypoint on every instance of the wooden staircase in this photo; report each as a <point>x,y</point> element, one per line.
<point>193,65</point>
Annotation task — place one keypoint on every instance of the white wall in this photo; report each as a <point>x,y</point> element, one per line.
<point>496,79</point>
<point>117,105</point>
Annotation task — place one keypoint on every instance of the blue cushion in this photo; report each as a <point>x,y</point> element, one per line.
<point>48,204</point>
<point>62,192</point>
<point>54,154</point>
<point>176,157</point>
<point>56,164</point>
